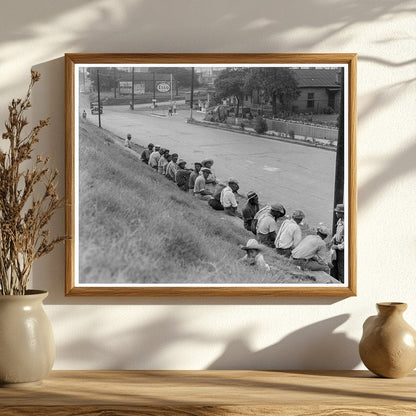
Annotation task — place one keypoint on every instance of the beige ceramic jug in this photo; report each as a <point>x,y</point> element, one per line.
<point>388,345</point>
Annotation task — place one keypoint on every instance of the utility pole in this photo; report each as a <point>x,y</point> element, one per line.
<point>132,88</point>
<point>115,82</point>
<point>99,98</point>
<point>154,90</point>
<point>83,78</point>
<point>339,164</point>
<point>171,89</point>
<point>192,92</point>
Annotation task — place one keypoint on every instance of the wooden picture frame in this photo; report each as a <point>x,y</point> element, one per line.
<point>77,187</point>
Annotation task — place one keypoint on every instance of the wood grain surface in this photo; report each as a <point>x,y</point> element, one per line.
<point>204,393</point>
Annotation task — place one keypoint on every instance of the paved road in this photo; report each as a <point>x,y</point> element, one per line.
<point>299,177</point>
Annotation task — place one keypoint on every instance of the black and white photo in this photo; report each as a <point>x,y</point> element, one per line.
<point>202,176</point>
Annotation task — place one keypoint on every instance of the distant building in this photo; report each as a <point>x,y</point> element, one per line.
<point>320,90</point>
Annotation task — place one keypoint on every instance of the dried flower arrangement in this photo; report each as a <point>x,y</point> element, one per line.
<point>28,200</point>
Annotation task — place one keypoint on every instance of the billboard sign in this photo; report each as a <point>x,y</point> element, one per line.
<point>125,87</point>
<point>163,86</point>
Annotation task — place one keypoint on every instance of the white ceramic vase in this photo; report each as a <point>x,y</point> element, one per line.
<point>27,347</point>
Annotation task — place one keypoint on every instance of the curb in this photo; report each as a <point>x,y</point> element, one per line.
<point>263,136</point>
<point>158,115</point>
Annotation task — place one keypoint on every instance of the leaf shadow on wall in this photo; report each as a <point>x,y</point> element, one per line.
<point>402,162</point>
<point>396,166</point>
<point>130,18</point>
<point>106,26</point>
<point>316,346</point>
<point>151,345</point>
<point>392,169</point>
<point>117,347</point>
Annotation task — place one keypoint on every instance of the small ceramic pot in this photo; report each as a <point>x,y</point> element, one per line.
<point>27,347</point>
<point>388,345</point>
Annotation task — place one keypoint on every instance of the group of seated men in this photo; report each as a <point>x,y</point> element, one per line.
<point>200,180</point>
<point>169,165</point>
<point>309,253</point>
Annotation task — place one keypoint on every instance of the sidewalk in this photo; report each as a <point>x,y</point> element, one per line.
<point>317,143</point>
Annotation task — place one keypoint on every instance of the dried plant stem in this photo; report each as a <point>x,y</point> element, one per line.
<point>23,217</point>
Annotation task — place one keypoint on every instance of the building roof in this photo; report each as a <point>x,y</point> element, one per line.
<point>316,77</point>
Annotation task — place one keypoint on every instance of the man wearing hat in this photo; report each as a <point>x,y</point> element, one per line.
<point>194,175</point>
<point>163,162</point>
<point>200,190</point>
<point>155,156</point>
<point>311,253</point>
<point>211,180</point>
<point>266,228</point>
<point>250,209</point>
<point>290,234</point>
<point>182,176</point>
<point>253,255</point>
<point>228,200</point>
<point>207,163</point>
<point>172,167</point>
<point>338,245</point>
<point>146,153</point>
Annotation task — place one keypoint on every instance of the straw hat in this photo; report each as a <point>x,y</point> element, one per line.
<point>298,214</point>
<point>205,161</point>
<point>339,208</point>
<point>322,229</point>
<point>252,244</point>
<point>251,195</point>
<point>278,207</point>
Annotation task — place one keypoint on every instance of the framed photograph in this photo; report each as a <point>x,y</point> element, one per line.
<point>211,174</point>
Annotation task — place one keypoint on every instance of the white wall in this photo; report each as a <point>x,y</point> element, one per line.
<point>195,333</point>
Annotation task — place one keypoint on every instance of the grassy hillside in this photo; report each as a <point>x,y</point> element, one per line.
<point>137,227</point>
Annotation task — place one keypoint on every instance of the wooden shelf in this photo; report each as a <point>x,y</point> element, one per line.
<point>202,393</point>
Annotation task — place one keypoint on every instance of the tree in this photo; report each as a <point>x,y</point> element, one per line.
<point>230,83</point>
<point>274,84</point>
<point>260,125</point>
<point>182,76</point>
<point>107,80</point>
